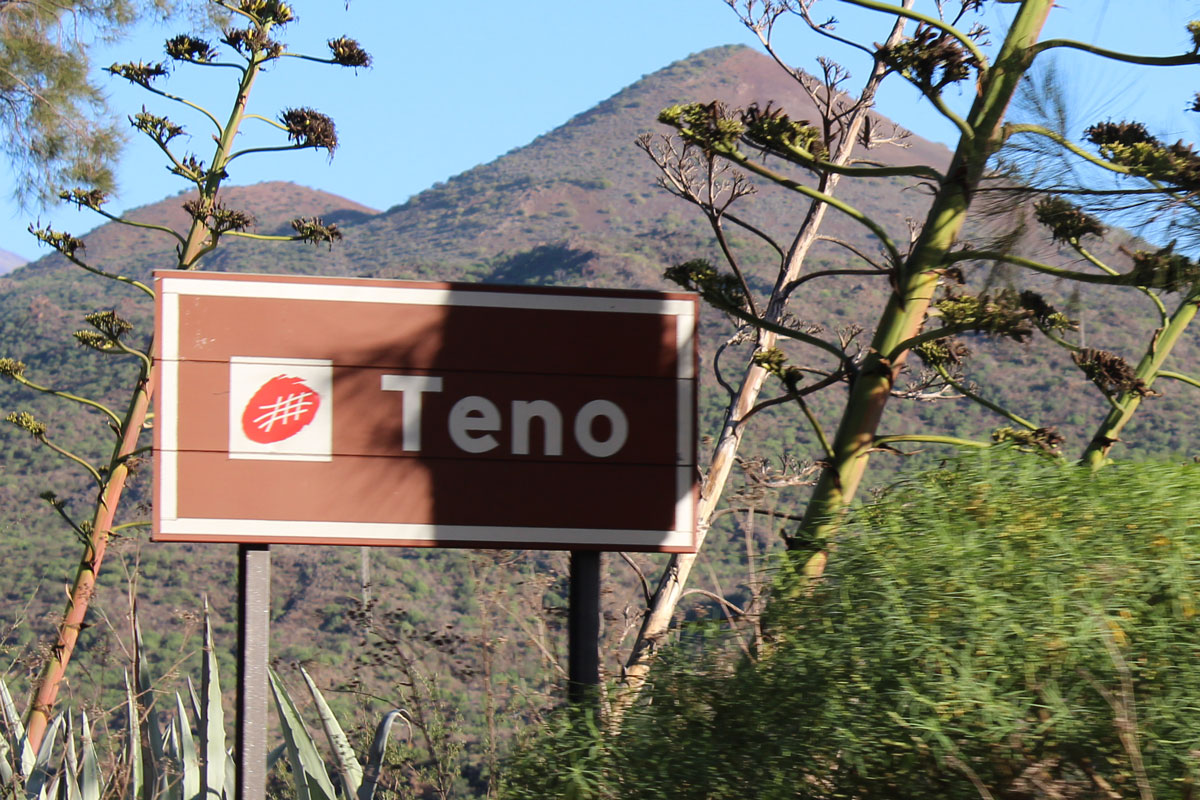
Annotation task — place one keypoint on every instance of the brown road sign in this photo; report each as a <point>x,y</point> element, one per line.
<point>354,411</point>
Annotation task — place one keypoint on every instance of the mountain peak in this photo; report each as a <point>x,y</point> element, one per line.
<point>588,187</point>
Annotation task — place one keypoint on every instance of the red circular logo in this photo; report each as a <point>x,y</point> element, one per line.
<point>280,409</point>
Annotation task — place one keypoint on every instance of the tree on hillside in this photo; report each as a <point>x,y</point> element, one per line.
<point>56,126</point>
<point>936,295</point>
<point>249,46</point>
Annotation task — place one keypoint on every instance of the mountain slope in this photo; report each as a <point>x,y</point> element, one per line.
<point>9,261</point>
<point>579,205</point>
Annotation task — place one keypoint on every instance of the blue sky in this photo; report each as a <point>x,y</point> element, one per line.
<point>455,85</point>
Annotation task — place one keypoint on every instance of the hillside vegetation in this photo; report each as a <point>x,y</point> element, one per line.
<point>577,206</point>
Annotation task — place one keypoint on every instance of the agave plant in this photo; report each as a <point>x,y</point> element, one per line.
<point>181,757</point>
<point>311,779</point>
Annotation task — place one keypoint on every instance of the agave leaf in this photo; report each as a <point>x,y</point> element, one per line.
<point>91,783</point>
<point>152,773</point>
<point>6,771</point>
<point>12,720</point>
<point>189,760</point>
<point>231,776</point>
<point>194,700</point>
<point>273,756</point>
<point>69,755</point>
<point>212,720</point>
<point>133,743</point>
<point>39,775</point>
<point>312,782</point>
<point>375,757</point>
<point>16,730</point>
<point>165,787</point>
<point>349,769</point>
<point>69,782</point>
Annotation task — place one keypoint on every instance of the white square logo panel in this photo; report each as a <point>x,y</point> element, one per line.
<point>281,409</point>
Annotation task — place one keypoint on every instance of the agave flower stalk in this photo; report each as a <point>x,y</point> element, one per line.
<point>744,401</point>
<point>255,48</point>
<point>937,56</point>
<point>908,306</point>
<point>1149,368</point>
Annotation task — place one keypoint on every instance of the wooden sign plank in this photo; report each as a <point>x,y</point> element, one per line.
<point>355,411</point>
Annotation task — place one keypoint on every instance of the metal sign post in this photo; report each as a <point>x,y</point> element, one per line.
<point>254,635</point>
<point>583,629</point>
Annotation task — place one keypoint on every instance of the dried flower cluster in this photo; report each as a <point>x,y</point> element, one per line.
<point>1130,145</point>
<point>193,169</point>
<point>139,73</point>
<point>1164,269</point>
<point>160,129</point>
<point>774,361</point>
<point>61,241</point>
<point>309,128</point>
<point>314,231</point>
<point>217,217</point>
<point>268,12</point>
<point>707,125</point>
<point>109,323</point>
<point>772,130</point>
<point>84,198</point>
<point>348,53</point>
<point>1007,313</point>
<point>189,48</point>
<point>1110,372</point>
<point>946,351</point>
<point>932,59</point>
<point>1067,223</point>
<point>999,314</point>
<point>1047,317</point>
<point>251,41</point>
<point>721,290</point>
<point>11,368</point>
<point>28,423</point>
<point>1046,440</point>
<point>109,328</point>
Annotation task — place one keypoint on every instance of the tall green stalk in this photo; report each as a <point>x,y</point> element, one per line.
<point>907,309</point>
<point>767,142</point>
<point>1148,369</point>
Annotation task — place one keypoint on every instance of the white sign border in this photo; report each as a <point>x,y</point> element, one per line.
<point>682,536</point>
